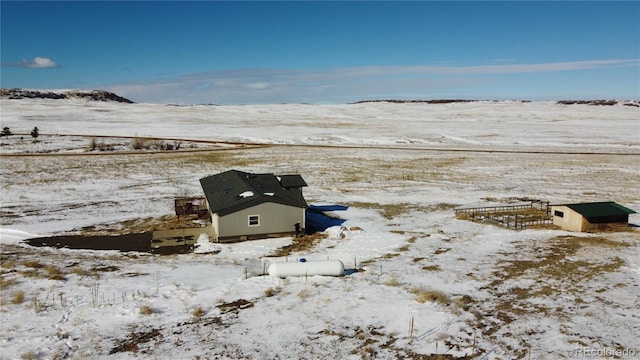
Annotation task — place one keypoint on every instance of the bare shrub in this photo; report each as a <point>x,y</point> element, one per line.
<point>156,145</point>
<point>139,143</point>
<point>93,144</point>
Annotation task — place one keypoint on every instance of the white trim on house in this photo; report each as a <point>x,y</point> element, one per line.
<point>253,220</point>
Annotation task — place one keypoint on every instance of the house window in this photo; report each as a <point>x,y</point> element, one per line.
<point>254,220</point>
<point>558,213</point>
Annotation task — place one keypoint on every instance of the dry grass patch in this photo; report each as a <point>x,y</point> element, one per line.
<point>234,306</point>
<point>554,260</point>
<point>35,264</point>
<point>403,248</point>
<point>84,272</point>
<point>166,222</point>
<point>304,294</point>
<point>220,159</point>
<point>300,244</point>
<point>431,295</point>
<point>6,281</point>
<point>198,312</point>
<point>392,281</point>
<point>29,273</point>
<point>29,355</point>
<point>595,241</point>
<point>388,211</point>
<point>6,263</point>
<point>272,291</point>
<point>54,273</point>
<point>439,207</point>
<point>432,268</point>
<point>17,297</point>
<point>36,305</point>
<point>551,268</point>
<point>146,310</point>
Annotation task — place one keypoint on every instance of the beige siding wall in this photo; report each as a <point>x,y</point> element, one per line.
<point>273,218</point>
<point>570,220</point>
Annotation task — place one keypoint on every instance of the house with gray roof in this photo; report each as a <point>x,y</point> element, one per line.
<point>589,217</point>
<point>246,206</point>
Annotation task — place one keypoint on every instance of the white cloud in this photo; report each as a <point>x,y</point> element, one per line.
<point>39,63</point>
<point>258,86</point>
<point>340,85</point>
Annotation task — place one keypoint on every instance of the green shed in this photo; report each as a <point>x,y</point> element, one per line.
<point>588,217</point>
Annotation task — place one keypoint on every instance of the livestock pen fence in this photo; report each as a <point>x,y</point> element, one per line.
<point>535,213</point>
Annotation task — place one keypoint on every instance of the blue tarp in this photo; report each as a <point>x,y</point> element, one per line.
<point>328,207</point>
<point>317,220</point>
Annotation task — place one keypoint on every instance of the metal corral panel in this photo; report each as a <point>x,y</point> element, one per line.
<point>271,218</point>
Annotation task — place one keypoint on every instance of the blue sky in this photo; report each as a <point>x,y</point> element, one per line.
<point>324,52</point>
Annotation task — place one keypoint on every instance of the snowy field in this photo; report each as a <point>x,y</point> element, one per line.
<point>428,286</point>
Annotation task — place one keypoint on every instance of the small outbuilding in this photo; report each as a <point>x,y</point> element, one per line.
<point>588,217</point>
<point>246,206</point>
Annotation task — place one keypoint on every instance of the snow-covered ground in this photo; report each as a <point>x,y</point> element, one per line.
<point>427,283</point>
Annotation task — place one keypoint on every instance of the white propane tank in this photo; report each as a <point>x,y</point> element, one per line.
<point>307,268</point>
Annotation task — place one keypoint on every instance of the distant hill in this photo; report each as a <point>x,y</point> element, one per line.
<point>94,95</point>
<point>449,101</point>
<point>397,101</point>
<point>598,102</point>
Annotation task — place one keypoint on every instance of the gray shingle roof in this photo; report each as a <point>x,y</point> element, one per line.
<point>235,190</point>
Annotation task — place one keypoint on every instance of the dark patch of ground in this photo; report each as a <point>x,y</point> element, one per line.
<point>128,242</point>
<point>140,242</point>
